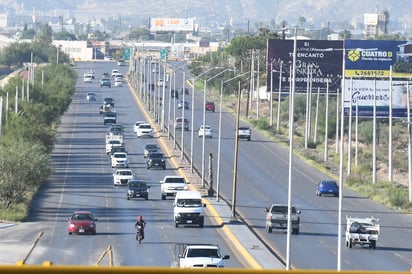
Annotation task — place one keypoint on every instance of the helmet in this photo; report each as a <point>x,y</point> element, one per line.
<point>139,218</point>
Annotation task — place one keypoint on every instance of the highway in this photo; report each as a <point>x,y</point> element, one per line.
<point>262,179</point>
<point>82,179</point>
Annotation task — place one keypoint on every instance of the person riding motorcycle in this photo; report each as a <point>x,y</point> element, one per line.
<point>140,224</point>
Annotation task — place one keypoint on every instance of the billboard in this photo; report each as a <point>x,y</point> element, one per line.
<point>373,58</point>
<point>359,95</point>
<point>172,24</point>
<point>319,61</point>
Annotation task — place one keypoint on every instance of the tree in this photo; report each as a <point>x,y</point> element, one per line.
<point>45,36</point>
<point>18,176</point>
<point>64,35</point>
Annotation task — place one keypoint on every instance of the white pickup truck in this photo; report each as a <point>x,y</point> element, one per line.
<point>171,184</point>
<point>244,133</point>
<point>362,231</point>
<point>199,256</point>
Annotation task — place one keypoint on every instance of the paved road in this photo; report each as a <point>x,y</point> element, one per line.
<point>82,180</point>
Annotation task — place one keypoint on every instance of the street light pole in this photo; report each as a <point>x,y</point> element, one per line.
<point>193,102</point>
<point>220,133</point>
<point>182,147</point>
<point>236,154</point>
<point>291,132</point>
<point>204,122</point>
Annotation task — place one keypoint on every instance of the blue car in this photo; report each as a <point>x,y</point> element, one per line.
<point>327,187</point>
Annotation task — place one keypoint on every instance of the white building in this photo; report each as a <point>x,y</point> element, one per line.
<point>77,50</point>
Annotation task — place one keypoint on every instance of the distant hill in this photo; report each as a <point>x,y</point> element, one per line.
<point>317,13</point>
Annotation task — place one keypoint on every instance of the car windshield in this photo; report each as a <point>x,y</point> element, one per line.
<point>151,147</point>
<point>124,172</point>
<point>119,155</point>
<point>212,253</point>
<point>189,202</point>
<point>282,209</point>
<point>145,126</point>
<point>82,217</point>
<point>328,183</point>
<point>137,184</point>
<point>175,180</point>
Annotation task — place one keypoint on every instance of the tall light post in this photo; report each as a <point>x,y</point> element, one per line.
<point>182,146</point>
<point>204,122</point>
<point>193,115</point>
<point>291,132</point>
<point>162,117</point>
<point>220,132</point>
<point>174,103</point>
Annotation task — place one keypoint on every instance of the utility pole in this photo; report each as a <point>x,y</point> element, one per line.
<point>239,94</point>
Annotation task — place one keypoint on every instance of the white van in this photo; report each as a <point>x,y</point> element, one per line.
<point>188,208</point>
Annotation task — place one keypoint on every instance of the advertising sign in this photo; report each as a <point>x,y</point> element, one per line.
<point>373,58</point>
<point>171,24</point>
<point>360,95</point>
<point>317,61</point>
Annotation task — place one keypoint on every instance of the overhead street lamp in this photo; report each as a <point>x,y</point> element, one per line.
<point>193,115</point>
<point>220,132</point>
<point>204,121</point>
<point>341,156</point>
<point>174,101</point>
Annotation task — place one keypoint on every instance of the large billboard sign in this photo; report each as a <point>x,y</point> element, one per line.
<point>317,61</point>
<point>362,95</point>
<point>172,24</point>
<point>373,58</point>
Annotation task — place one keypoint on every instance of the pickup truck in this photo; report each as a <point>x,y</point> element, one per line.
<point>244,133</point>
<point>277,218</point>
<point>362,231</point>
<point>199,256</point>
<point>171,184</point>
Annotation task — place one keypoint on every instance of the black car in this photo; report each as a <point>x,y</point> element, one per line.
<point>174,93</point>
<point>185,90</point>
<point>110,118</point>
<point>156,159</point>
<point>137,189</point>
<point>108,101</point>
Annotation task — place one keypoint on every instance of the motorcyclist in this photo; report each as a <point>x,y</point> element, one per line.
<point>140,224</point>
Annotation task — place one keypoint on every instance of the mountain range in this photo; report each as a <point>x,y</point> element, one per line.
<point>309,13</point>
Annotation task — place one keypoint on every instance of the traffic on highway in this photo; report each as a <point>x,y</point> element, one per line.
<point>83,180</point>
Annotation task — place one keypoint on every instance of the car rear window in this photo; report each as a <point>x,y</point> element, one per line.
<point>282,209</point>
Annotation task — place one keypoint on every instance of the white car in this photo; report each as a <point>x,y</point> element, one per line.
<point>160,83</point>
<point>115,72</point>
<point>122,176</point>
<point>205,130</point>
<point>136,125</point>
<point>120,159</point>
<point>144,130</point>
<point>87,78</point>
<point>112,143</point>
<point>119,77</point>
<point>118,82</point>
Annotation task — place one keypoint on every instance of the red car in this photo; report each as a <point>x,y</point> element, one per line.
<point>82,222</point>
<point>210,106</point>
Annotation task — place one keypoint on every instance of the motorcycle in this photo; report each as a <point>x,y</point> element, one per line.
<point>139,233</point>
